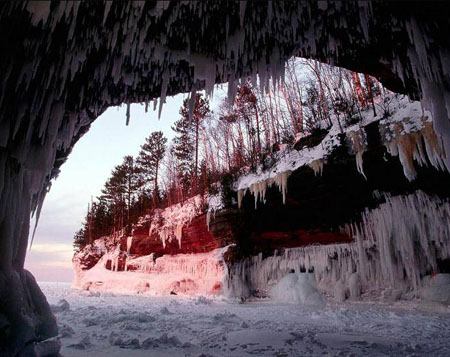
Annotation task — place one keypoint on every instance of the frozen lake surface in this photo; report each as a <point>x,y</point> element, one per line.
<point>104,324</point>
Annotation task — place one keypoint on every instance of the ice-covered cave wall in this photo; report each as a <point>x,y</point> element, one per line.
<point>399,245</point>
<point>64,63</point>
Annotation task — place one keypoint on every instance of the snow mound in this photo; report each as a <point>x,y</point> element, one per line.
<point>436,288</point>
<point>297,288</point>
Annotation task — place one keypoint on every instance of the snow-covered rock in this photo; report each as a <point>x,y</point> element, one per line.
<point>187,274</point>
<point>63,305</point>
<point>402,133</point>
<point>297,288</point>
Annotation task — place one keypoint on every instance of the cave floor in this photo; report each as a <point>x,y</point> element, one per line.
<point>104,324</point>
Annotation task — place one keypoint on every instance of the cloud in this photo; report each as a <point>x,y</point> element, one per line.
<point>52,248</point>
<point>57,264</point>
<point>49,256</point>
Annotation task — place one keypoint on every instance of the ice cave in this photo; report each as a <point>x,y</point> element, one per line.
<point>308,215</point>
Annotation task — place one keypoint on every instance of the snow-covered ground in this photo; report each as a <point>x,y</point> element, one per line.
<point>104,324</point>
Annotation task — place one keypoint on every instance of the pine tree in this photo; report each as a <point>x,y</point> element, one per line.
<point>186,143</point>
<point>121,190</point>
<point>149,160</point>
<point>183,150</point>
<point>79,239</point>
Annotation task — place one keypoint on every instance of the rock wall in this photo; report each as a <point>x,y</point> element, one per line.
<point>332,213</point>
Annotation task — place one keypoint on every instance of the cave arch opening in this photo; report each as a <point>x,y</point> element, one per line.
<point>74,51</point>
<point>298,65</point>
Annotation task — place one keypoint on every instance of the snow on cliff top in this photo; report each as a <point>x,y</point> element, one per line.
<point>409,113</point>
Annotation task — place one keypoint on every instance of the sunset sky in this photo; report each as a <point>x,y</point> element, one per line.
<point>83,176</point>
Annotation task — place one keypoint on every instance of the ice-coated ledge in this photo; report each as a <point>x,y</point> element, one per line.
<point>402,133</point>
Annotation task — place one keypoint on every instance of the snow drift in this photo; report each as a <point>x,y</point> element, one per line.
<point>297,288</point>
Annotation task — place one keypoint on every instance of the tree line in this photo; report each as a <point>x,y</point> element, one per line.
<point>133,187</point>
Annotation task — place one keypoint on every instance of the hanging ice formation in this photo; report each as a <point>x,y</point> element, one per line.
<point>113,257</point>
<point>404,139</point>
<point>358,140</point>
<point>407,133</point>
<point>169,223</point>
<point>258,189</point>
<point>227,64</point>
<point>129,243</point>
<point>317,166</point>
<point>214,204</point>
<point>395,246</point>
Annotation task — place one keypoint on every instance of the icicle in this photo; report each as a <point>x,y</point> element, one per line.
<point>179,234</point>
<point>242,8</point>
<point>433,145</point>
<point>164,84</point>
<point>208,218</point>
<point>281,181</point>
<point>38,208</point>
<point>128,114</point>
<point>317,166</point>
<point>129,242</point>
<point>232,90</point>
<point>215,203</point>
<point>164,234</point>
<point>40,10</point>
<point>151,229</point>
<point>192,101</point>
<point>240,196</point>
<point>359,145</point>
<point>258,190</point>
<point>404,139</point>
<point>106,12</point>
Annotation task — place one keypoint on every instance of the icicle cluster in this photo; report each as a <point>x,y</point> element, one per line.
<point>317,166</point>
<point>169,223</point>
<point>258,189</point>
<point>395,246</point>
<point>214,204</point>
<point>407,133</point>
<point>69,61</point>
<point>114,257</point>
<point>50,118</point>
<point>405,140</point>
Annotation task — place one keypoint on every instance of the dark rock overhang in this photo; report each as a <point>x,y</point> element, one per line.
<point>73,60</point>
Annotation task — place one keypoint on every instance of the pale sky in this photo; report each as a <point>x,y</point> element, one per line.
<point>83,176</point>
